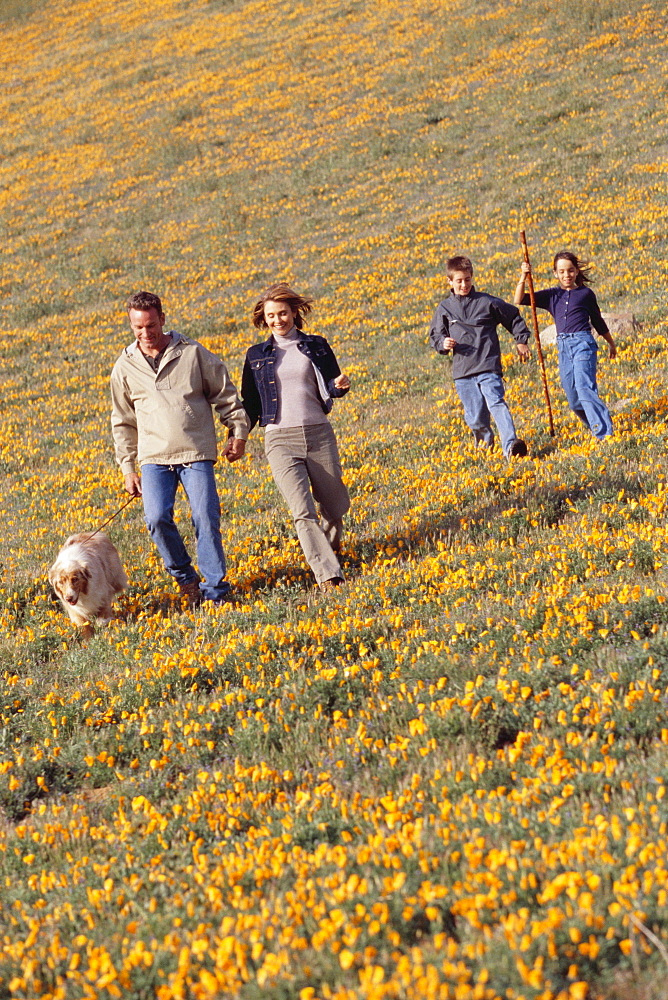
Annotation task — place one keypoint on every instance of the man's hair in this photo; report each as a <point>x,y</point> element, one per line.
<point>145,301</point>
<point>583,266</point>
<point>281,292</point>
<point>458,263</point>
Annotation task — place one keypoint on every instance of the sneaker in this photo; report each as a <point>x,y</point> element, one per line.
<point>191,592</point>
<point>518,448</point>
<point>335,581</point>
<point>227,598</point>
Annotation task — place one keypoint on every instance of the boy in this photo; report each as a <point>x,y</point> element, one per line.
<point>465,323</point>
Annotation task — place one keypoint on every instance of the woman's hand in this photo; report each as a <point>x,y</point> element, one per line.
<point>449,343</point>
<point>342,382</point>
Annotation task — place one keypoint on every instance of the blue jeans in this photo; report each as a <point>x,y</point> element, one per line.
<point>159,486</point>
<point>482,396</point>
<point>577,370</point>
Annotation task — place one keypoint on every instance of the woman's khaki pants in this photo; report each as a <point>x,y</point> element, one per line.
<point>304,462</point>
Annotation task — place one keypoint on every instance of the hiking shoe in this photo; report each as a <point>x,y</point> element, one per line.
<point>191,592</point>
<point>327,585</point>
<point>228,598</point>
<point>518,448</point>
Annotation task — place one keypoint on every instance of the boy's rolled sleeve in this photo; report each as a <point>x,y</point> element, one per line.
<point>509,317</point>
<point>439,330</point>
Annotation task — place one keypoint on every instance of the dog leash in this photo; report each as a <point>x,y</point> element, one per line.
<point>105,523</point>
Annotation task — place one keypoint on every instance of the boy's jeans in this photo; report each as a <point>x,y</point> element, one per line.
<point>159,486</point>
<point>577,369</point>
<point>483,395</point>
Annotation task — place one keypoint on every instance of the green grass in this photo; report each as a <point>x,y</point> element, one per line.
<point>497,617</point>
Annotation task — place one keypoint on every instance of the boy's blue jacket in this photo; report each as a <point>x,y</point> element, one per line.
<point>258,384</point>
<point>472,320</point>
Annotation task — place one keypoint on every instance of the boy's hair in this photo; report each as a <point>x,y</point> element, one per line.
<point>458,263</point>
<point>281,292</point>
<point>583,266</point>
<point>145,301</point>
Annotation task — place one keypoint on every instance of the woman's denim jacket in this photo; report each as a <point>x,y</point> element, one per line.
<point>258,382</point>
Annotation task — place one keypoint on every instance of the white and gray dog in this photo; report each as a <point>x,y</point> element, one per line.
<point>86,576</point>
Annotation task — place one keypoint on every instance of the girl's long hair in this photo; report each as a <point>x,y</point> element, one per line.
<point>583,266</point>
<point>281,292</point>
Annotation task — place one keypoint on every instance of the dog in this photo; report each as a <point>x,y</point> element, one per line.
<point>86,576</point>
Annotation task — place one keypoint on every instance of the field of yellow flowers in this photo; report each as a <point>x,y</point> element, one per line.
<point>449,778</point>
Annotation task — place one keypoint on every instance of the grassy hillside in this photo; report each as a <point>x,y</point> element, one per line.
<point>448,779</point>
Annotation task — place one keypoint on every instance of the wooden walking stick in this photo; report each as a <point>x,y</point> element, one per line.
<point>532,299</point>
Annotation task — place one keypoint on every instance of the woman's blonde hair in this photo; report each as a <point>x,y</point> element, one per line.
<point>281,292</point>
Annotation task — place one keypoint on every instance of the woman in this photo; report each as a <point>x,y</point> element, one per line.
<point>288,384</point>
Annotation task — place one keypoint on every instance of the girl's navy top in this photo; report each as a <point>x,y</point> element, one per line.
<point>573,309</point>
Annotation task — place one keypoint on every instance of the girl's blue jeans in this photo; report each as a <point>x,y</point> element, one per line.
<point>483,396</point>
<point>577,369</point>
<point>159,485</point>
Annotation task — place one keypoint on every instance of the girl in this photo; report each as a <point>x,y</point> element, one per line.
<point>575,310</point>
<point>288,384</point>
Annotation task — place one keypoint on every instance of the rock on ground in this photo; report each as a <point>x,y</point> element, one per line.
<point>623,324</point>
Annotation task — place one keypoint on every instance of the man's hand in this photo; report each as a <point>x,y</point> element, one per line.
<point>449,343</point>
<point>523,352</point>
<point>132,484</point>
<point>342,382</point>
<point>234,449</point>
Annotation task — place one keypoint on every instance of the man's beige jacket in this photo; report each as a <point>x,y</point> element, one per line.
<point>166,418</point>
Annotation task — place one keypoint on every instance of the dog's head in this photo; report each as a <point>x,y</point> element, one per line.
<point>69,582</point>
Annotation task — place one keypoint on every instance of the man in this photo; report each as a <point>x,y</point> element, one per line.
<point>163,389</point>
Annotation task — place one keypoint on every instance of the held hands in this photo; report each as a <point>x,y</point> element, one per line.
<point>342,382</point>
<point>234,449</point>
<point>132,484</point>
